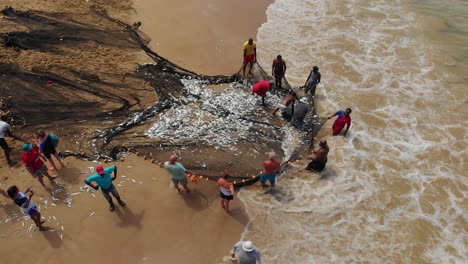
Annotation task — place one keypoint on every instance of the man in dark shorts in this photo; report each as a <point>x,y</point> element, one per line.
<point>261,88</point>
<point>250,55</point>
<point>5,130</point>
<point>177,172</point>
<point>278,70</point>
<point>48,148</point>
<point>312,80</point>
<point>287,106</point>
<point>319,157</point>
<point>104,180</point>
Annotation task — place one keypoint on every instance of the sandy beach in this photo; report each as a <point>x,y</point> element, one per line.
<point>159,225</point>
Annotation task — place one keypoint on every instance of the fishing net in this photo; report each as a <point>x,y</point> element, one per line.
<point>215,129</point>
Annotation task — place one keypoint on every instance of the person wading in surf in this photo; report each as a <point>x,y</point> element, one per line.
<point>250,55</point>
<point>271,170</point>
<point>312,80</point>
<point>278,70</point>
<point>343,119</point>
<point>319,157</point>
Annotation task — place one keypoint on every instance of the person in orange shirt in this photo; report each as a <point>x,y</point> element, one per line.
<point>226,191</point>
<point>250,55</point>
<point>271,169</point>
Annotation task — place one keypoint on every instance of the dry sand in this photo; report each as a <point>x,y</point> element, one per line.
<point>159,225</point>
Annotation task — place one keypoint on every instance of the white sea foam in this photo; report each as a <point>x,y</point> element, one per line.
<point>393,190</point>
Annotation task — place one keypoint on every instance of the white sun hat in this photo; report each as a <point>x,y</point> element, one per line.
<point>247,246</point>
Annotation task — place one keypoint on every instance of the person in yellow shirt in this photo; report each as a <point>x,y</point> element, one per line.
<point>250,55</point>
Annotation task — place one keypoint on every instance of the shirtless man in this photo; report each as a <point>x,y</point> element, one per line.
<point>271,169</point>
<point>319,157</point>
<point>287,106</point>
<point>278,70</point>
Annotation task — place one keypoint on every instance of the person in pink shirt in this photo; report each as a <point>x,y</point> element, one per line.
<point>261,88</point>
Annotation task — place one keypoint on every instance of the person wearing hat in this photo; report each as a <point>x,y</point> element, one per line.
<point>32,161</point>
<point>261,88</point>
<point>104,180</point>
<point>271,169</point>
<point>312,80</point>
<point>246,253</point>
<point>300,113</point>
<point>177,172</point>
<point>319,157</point>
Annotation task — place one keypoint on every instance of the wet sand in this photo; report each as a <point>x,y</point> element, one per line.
<point>159,225</point>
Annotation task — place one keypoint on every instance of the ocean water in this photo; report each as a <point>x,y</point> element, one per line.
<point>395,189</point>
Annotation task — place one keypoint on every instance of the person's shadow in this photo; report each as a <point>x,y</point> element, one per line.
<point>128,218</point>
<point>195,199</point>
<point>53,237</point>
<point>69,175</point>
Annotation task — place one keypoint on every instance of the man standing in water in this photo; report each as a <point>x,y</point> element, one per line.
<point>343,119</point>
<point>319,157</point>
<point>287,101</point>
<point>271,169</point>
<point>246,253</point>
<point>177,172</point>
<point>312,80</point>
<point>103,179</point>
<point>250,55</point>
<point>261,88</point>
<point>300,113</point>
<point>278,70</point>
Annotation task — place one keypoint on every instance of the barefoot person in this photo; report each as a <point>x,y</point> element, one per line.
<point>5,130</point>
<point>246,253</point>
<point>278,70</point>
<point>226,191</point>
<point>48,144</point>
<point>300,113</point>
<point>287,106</point>
<point>27,206</point>
<point>312,80</point>
<point>343,119</point>
<point>104,180</point>
<point>271,169</point>
<point>34,164</point>
<point>319,157</point>
<point>261,88</point>
<point>177,172</point>
<point>250,55</point>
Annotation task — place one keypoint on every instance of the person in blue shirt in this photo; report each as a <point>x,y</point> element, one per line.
<point>104,180</point>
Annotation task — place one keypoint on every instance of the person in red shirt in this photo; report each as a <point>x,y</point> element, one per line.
<point>341,121</point>
<point>261,88</point>
<point>34,164</point>
<point>271,169</point>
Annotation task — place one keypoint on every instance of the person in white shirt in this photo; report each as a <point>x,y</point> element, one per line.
<point>5,130</point>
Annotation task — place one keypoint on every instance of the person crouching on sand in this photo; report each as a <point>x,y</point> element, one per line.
<point>27,206</point>
<point>103,179</point>
<point>177,172</point>
<point>226,191</point>
<point>34,164</point>
<point>271,169</point>
<point>319,157</point>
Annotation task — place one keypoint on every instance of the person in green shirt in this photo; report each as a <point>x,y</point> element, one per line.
<point>104,180</point>
<point>177,172</point>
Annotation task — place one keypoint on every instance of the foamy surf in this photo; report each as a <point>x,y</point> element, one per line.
<point>393,190</point>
